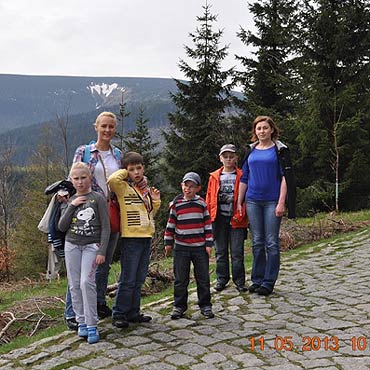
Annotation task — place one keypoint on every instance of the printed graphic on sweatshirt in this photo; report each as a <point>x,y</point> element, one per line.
<point>81,223</point>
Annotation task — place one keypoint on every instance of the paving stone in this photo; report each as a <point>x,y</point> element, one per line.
<point>142,360</point>
<point>214,357</point>
<point>158,366</point>
<point>193,349</point>
<point>50,363</point>
<point>98,363</point>
<point>122,353</point>
<point>180,359</point>
<point>34,358</point>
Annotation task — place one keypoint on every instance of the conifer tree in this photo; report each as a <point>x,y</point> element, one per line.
<point>335,116</point>
<point>195,130</point>
<point>267,78</point>
<point>140,141</point>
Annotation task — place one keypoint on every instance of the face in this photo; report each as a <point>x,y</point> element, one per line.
<point>135,172</point>
<point>105,128</point>
<point>81,181</point>
<point>189,189</point>
<point>229,159</point>
<point>263,131</point>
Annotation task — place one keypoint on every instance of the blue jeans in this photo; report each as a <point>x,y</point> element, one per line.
<point>135,255</point>
<point>264,227</point>
<point>224,235</point>
<point>101,278</point>
<point>182,257</point>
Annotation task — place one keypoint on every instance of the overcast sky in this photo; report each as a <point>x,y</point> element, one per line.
<point>137,38</point>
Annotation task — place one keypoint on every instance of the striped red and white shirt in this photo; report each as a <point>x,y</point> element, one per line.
<point>189,223</point>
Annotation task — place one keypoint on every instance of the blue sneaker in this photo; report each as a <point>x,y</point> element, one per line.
<point>82,330</point>
<point>93,335</point>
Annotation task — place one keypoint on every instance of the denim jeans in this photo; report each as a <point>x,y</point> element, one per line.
<point>135,255</point>
<point>182,257</point>
<point>264,227</point>
<point>101,278</point>
<point>81,266</point>
<point>225,236</point>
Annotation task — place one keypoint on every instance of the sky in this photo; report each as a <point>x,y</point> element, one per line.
<point>119,38</point>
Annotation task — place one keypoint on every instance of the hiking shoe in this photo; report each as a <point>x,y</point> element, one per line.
<point>93,335</point>
<point>120,322</point>
<point>140,318</point>
<point>241,288</point>
<point>253,288</point>
<point>103,311</point>
<point>82,330</point>
<point>177,313</point>
<point>219,286</point>
<point>207,312</point>
<point>72,324</point>
<point>263,291</point>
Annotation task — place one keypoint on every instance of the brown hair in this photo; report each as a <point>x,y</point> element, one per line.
<point>132,158</point>
<point>270,121</point>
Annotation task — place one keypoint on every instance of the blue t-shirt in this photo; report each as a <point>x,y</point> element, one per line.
<point>262,174</point>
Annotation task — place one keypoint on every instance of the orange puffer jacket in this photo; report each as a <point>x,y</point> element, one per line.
<point>237,221</point>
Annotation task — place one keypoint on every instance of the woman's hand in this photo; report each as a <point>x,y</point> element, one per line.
<point>280,210</point>
<point>100,259</point>
<point>239,208</point>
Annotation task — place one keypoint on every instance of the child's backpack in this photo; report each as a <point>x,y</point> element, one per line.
<point>87,152</point>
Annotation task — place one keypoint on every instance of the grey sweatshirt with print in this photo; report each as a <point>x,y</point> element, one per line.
<point>87,223</point>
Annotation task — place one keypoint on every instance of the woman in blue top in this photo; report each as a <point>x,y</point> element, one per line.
<point>267,182</point>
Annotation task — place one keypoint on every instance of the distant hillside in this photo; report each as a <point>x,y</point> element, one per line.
<point>26,140</point>
<point>27,100</point>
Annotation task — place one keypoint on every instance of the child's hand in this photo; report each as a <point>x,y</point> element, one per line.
<point>167,250</point>
<point>155,193</point>
<point>79,200</point>
<point>62,199</point>
<point>100,260</point>
<point>209,251</point>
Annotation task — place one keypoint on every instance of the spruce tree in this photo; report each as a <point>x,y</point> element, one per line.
<point>195,130</point>
<point>335,116</point>
<point>268,78</point>
<point>140,141</point>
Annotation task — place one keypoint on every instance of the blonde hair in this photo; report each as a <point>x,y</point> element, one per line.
<point>105,114</point>
<point>81,166</point>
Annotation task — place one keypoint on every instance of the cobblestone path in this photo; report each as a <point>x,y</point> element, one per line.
<point>318,318</point>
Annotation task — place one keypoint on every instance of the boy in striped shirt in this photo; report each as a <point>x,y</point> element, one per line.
<point>189,233</point>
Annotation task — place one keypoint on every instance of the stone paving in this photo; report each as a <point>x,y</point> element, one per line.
<point>317,318</point>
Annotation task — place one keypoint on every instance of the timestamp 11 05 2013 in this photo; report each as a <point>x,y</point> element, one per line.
<point>307,343</point>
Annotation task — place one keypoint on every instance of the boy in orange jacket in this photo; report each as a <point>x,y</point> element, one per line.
<point>229,228</point>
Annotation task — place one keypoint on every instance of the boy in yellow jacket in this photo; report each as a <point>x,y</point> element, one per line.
<point>138,206</point>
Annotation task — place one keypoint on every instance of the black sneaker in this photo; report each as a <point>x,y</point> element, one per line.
<point>72,324</point>
<point>177,313</point>
<point>207,312</point>
<point>103,311</point>
<point>219,287</point>
<point>241,288</point>
<point>120,322</point>
<point>140,318</point>
<point>253,288</point>
<point>263,291</point>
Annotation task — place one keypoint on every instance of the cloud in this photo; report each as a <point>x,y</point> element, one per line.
<point>116,38</point>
